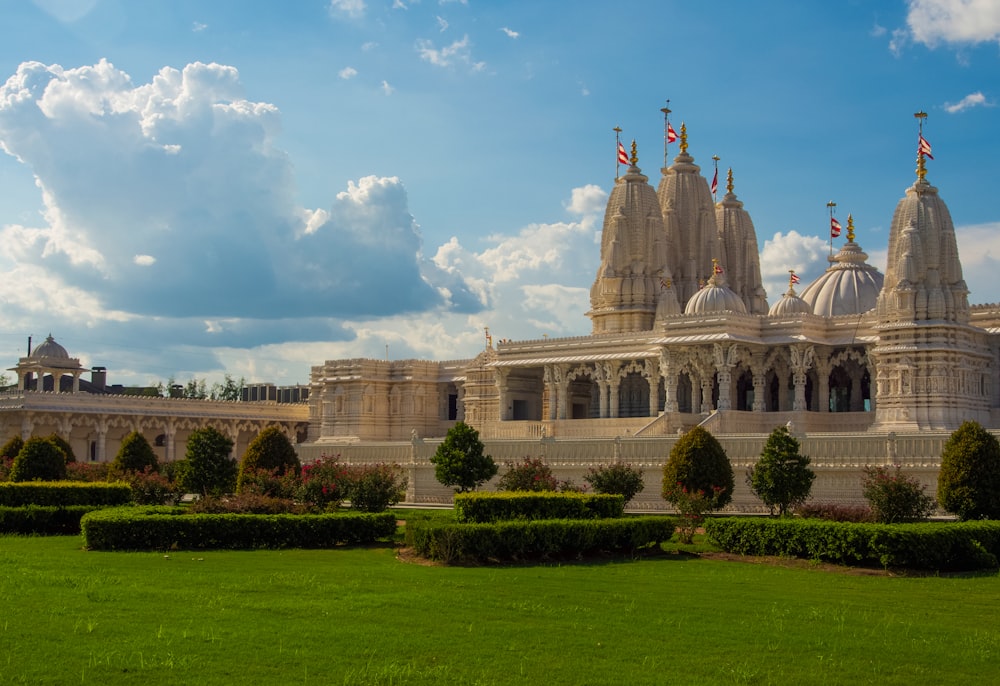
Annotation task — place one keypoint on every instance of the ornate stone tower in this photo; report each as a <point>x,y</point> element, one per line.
<point>932,367</point>
<point>739,250</point>
<point>689,222</point>
<point>626,291</point>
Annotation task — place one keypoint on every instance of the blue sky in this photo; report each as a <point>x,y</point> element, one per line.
<point>191,188</point>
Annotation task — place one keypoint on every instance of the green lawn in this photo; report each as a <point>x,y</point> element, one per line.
<point>359,616</point>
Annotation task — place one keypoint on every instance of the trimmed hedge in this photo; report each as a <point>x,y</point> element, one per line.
<point>487,506</point>
<point>64,493</point>
<point>163,528</point>
<point>42,519</point>
<point>522,539</point>
<point>936,546</point>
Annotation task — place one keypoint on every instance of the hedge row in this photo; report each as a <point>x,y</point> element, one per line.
<point>42,519</point>
<point>162,528</point>
<point>523,539</point>
<point>64,493</point>
<point>488,506</point>
<point>936,546</point>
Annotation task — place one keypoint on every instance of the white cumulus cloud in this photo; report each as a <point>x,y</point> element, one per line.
<point>347,73</point>
<point>354,9</point>
<point>970,100</point>
<point>807,255</point>
<point>954,21</point>
<point>510,33</point>
<point>459,52</point>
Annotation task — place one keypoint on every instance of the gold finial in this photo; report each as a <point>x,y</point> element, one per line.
<point>850,228</point>
<point>921,167</point>
<point>635,155</point>
<point>684,138</point>
<point>617,129</point>
<point>729,181</point>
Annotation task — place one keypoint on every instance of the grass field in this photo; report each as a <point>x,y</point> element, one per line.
<point>360,616</point>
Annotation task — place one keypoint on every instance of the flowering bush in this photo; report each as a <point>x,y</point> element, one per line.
<point>895,497</point>
<point>89,472</point>
<point>149,487</point>
<point>325,483</point>
<point>373,488</point>
<point>835,512</point>
<point>619,479</point>
<point>531,475</point>
<point>5,464</point>
<point>247,503</point>
<point>692,506</point>
<point>269,482</point>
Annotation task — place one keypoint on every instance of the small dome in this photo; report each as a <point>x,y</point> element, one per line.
<point>50,349</point>
<point>789,305</point>
<point>716,297</point>
<point>848,286</point>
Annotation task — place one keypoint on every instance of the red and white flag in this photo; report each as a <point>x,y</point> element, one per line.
<point>718,268</point>
<point>794,278</point>
<point>671,134</point>
<point>622,155</point>
<point>715,182</point>
<point>924,148</point>
<point>834,228</point>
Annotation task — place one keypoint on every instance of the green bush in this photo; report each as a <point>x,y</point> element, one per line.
<point>530,475</point>
<point>375,487</point>
<point>935,546</point>
<point>135,455</point>
<point>64,494</point>
<point>45,520</point>
<point>617,478</point>
<point>207,468</point>
<point>268,483</point>
<point>39,460</point>
<point>698,464</point>
<point>326,483</point>
<point>782,477</point>
<point>460,460</point>
<point>492,507</point>
<point>248,503</point>
<point>164,528</point>
<point>835,512</point>
<point>150,488</point>
<point>90,472</point>
<point>969,480</point>
<point>895,497</point>
<point>522,540</point>
<point>12,447</point>
<point>64,446</point>
<point>270,451</point>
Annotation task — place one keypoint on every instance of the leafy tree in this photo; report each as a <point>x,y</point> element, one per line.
<point>460,461</point>
<point>531,475</point>
<point>39,460</point>
<point>228,389</point>
<point>782,477</point>
<point>895,497</point>
<point>698,464</point>
<point>270,451</point>
<point>616,479</point>
<point>207,467</point>
<point>135,455</point>
<point>12,447</point>
<point>64,446</point>
<point>969,480</point>
<point>375,487</point>
<point>195,388</point>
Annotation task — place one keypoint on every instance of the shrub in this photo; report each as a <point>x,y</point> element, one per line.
<point>460,460</point>
<point>53,520</point>
<point>325,483</point>
<point>247,503</point>
<point>64,446</point>
<point>64,493</point>
<point>495,506</point>
<point>621,479</point>
<point>270,451</point>
<point>12,447</point>
<point>782,477</point>
<point>895,497</point>
<point>373,488</point>
<point>88,472</point>
<point>207,468</point>
<point>269,483</point>
<point>149,487</point>
<point>531,475</point>
<point>5,464</point>
<point>135,455</point>
<point>969,480</point>
<point>39,460</point>
<point>835,512</point>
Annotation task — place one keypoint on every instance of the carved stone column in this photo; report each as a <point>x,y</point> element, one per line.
<point>652,375</point>
<point>600,378</point>
<point>801,358</point>
<point>562,389</point>
<point>669,373</point>
<point>823,369</point>
<point>501,380</point>
<point>548,376</point>
<point>725,360</point>
<point>614,382</point>
<point>759,380</point>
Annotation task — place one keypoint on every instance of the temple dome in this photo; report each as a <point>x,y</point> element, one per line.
<point>849,285</point>
<point>715,298</point>
<point>50,349</point>
<point>790,305</point>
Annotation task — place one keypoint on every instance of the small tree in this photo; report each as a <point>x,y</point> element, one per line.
<point>135,455</point>
<point>12,447</point>
<point>375,487</point>
<point>697,478</point>
<point>895,497</point>
<point>782,477</point>
<point>531,475</point>
<point>969,480</point>
<point>616,479</point>
<point>270,451</point>
<point>207,467</point>
<point>460,461</point>
<point>39,460</point>
<point>64,446</point>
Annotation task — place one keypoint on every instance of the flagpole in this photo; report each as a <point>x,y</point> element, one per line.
<point>666,129</point>
<point>618,142</point>
<point>921,164</point>
<point>831,205</point>
<point>715,178</point>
